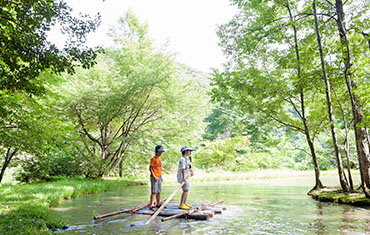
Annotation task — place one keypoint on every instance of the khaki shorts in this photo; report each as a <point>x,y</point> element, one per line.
<point>186,186</point>
<point>156,187</point>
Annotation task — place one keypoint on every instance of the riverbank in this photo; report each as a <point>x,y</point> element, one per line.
<point>25,208</point>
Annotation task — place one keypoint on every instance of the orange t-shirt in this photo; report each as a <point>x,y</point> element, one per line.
<point>156,165</point>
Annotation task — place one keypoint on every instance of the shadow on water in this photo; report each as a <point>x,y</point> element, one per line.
<point>253,207</point>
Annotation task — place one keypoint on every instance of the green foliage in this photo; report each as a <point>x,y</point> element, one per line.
<point>273,72</point>
<point>27,126</point>
<point>234,154</point>
<point>26,51</point>
<point>132,100</point>
<point>115,101</point>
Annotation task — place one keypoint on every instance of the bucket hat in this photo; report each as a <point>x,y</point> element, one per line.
<point>185,147</point>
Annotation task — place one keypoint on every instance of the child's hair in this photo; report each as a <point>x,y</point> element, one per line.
<point>183,153</point>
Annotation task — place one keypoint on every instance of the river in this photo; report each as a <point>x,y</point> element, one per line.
<point>274,206</point>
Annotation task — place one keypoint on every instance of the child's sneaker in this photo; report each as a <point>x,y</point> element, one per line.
<point>190,206</point>
<point>184,207</point>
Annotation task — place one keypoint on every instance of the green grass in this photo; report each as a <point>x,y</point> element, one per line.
<point>24,208</point>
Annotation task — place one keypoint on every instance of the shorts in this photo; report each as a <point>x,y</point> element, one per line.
<point>156,187</point>
<point>186,186</point>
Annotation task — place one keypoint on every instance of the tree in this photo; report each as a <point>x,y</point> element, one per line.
<point>25,50</point>
<point>118,101</point>
<point>268,72</point>
<point>361,133</point>
<point>25,53</point>
<point>342,176</point>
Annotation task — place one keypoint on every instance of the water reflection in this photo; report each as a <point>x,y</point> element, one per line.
<point>266,207</point>
<point>318,224</point>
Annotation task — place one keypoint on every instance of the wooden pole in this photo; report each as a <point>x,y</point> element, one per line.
<point>165,203</point>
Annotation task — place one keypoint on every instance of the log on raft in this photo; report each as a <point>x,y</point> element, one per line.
<point>166,213</point>
<point>217,210</point>
<point>131,210</point>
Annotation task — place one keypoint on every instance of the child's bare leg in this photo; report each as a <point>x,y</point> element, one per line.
<point>186,197</point>
<point>183,197</point>
<point>158,195</point>
<point>152,196</point>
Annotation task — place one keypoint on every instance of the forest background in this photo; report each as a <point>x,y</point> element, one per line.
<point>99,112</point>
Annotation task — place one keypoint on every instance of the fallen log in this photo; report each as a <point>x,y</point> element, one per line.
<point>111,214</point>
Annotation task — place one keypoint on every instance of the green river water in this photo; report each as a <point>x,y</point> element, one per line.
<point>274,206</point>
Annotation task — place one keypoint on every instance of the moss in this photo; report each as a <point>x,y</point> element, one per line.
<point>338,196</point>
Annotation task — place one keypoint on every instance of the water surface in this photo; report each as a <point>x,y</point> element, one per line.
<point>276,206</point>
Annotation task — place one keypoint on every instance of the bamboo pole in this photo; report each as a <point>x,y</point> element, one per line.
<point>165,203</point>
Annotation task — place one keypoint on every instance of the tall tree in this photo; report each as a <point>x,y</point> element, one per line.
<point>342,176</point>
<point>268,70</point>
<point>25,53</point>
<point>124,96</point>
<point>361,133</point>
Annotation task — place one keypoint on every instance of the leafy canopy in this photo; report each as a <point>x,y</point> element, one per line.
<point>25,50</point>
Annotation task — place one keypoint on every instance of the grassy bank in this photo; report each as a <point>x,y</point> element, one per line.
<point>24,209</point>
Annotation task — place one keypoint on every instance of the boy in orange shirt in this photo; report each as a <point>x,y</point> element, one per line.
<point>156,177</point>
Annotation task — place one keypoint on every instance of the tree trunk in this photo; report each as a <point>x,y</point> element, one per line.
<point>346,143</point>
<point>361,133</point>
<point>318,183</point>
<point>8,157</point>
<point>120,169</point>
<point>342,176</point>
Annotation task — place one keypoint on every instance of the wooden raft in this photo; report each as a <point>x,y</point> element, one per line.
<point>198,212</point>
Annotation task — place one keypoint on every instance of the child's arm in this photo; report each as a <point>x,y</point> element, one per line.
<point>152,174</point>
<point>183,175</point>
<point>191,172</point>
